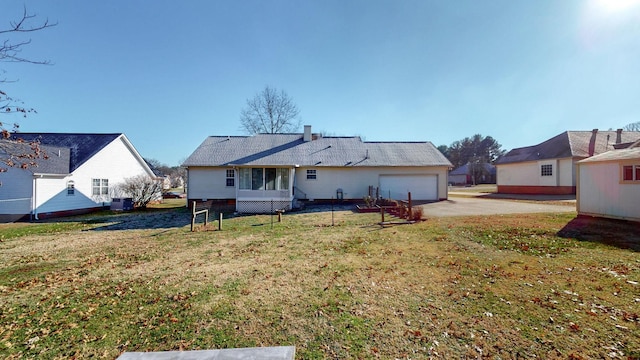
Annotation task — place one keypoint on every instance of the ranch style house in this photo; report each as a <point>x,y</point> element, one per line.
<point>259,173</point>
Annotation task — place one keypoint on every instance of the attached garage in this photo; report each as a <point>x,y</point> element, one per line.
<point>422,187</point>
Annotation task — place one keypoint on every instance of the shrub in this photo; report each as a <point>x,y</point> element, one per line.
<point>416,213</point>
<point>142,189</point>
<point>388,202</point>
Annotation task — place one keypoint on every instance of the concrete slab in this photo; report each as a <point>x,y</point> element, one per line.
<point>262,353</point>
<point>466,206</point>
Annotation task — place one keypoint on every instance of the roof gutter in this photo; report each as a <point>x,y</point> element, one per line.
<point>42,175</point>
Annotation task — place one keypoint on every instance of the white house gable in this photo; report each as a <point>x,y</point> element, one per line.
<point>109,167</point>
<point>79,174</point>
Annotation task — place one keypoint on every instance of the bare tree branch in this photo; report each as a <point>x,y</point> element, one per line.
<point>632,127</point>
<point>270,112</point>
<point>14,152</point>
<point>10,50</point>
<point>142,189</point>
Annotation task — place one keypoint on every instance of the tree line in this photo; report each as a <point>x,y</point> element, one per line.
<point>474,151</point>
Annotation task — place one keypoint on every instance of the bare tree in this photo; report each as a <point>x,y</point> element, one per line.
<point>10,51</point>
<point>142,189</point>
<point>270,111</point>
<point>632,127</point>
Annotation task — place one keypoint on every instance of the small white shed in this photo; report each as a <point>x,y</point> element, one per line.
<point>609,185</point>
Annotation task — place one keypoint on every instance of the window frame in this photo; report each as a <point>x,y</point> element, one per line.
<point>71,188</point>
<point>231,180</point>
<point>101,185</point>
<point>264,179</point>
<point>631,169</point>
<point>312,174</point>
<point>546,170</point>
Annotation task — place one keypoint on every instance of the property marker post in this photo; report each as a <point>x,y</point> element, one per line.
<point>220,222</point>
<point>332,211</point>
<point>193,216</point>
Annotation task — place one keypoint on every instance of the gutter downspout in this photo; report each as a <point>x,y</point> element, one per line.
<point>236,183</point>
<point>578,189</point>
<point>34,198</point>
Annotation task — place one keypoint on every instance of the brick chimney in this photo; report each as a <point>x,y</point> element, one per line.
<point>307,133</point>
<point>618,136</point>
<point>592,142</point>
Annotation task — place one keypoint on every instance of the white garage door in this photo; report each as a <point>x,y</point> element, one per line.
<point>422,187</point>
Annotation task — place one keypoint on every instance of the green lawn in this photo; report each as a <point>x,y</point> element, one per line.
<point>495,287</point>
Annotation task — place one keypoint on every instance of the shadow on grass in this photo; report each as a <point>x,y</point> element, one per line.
<point>618,233</point>
<point>141,219</point>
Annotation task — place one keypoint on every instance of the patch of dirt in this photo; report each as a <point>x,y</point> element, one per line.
<point>619,233</point>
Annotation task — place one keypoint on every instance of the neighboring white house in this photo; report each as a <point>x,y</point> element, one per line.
<point>265,171</point>
<point>609,185</point>
<point>550,167</point>
<point>78,176</point>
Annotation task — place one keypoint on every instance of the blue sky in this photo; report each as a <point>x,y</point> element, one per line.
<point>170,73</point>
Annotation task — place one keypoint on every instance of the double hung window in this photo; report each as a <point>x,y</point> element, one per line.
<point>71,187</point>
<point>100,187</point>
<point>231,178</point>
<point>312,174</point>
<point>631,173</point>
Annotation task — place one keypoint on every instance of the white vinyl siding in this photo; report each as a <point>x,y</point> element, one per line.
<point>355,181</point>
<point>530,173</point>
<point>602,192</point>
<point>209,183</point>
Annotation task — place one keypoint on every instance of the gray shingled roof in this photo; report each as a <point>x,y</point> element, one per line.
<point>580,144</point>
<point>290,149</point>
<point>465,169</point>
<point>55,160</point>
<point>81,146</point>
<point>615,155</point>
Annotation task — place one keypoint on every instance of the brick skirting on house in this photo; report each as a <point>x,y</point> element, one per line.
<point>536,190</point>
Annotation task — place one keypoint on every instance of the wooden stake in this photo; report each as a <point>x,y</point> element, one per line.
<point>193,215</point>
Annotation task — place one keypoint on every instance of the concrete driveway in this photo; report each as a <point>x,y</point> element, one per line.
<point>465,206</point>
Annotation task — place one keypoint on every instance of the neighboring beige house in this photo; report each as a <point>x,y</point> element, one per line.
<point>485,174</point>
<point>609,184</point>
<point>550,167</point>
<point>265,171</point>
<point>77,177</point>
